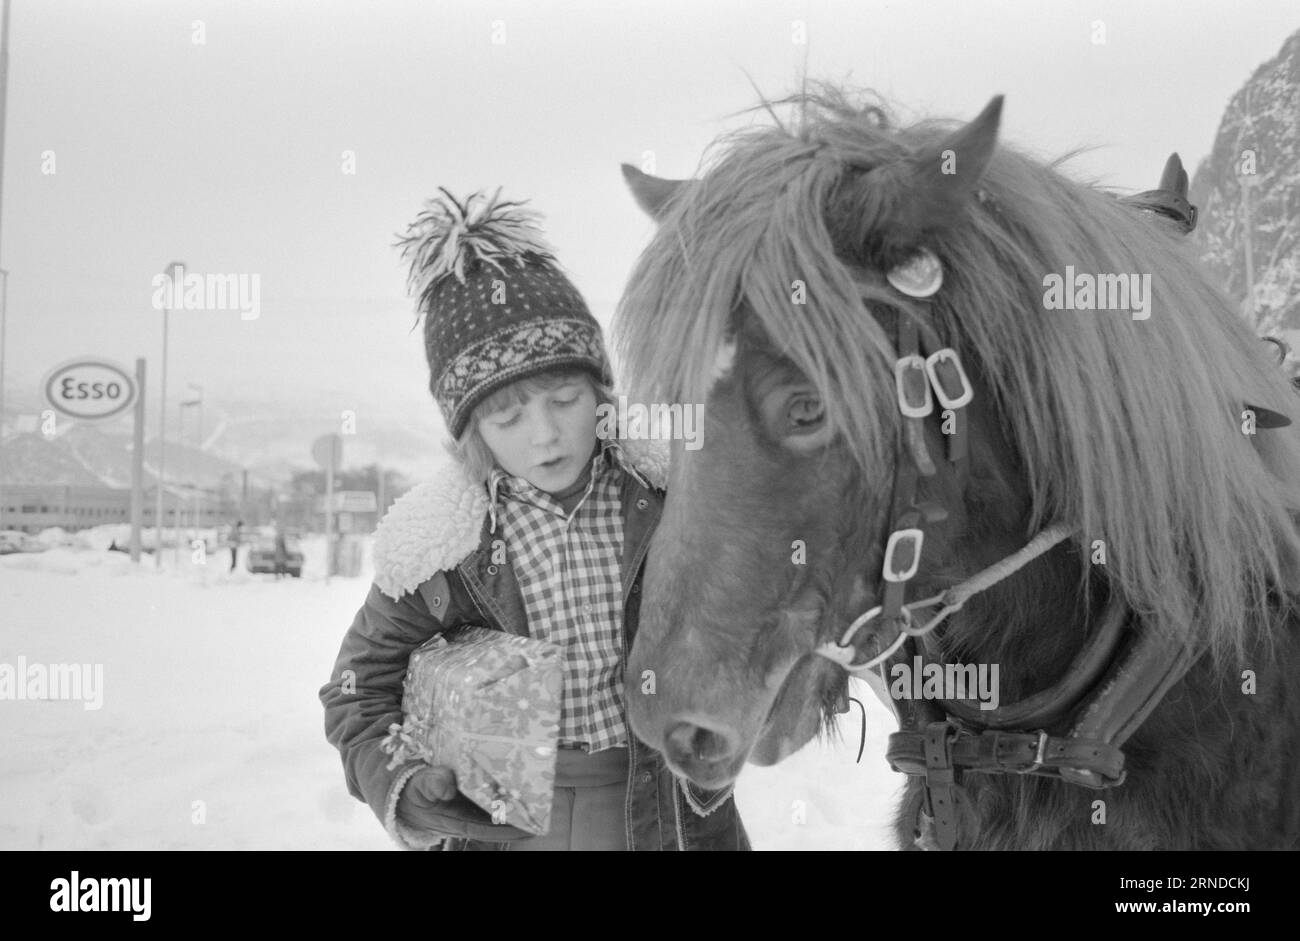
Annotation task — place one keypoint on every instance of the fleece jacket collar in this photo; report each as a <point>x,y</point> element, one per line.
<point>436,524</point>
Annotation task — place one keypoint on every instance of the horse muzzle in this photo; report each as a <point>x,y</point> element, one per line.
<point>704,750</point>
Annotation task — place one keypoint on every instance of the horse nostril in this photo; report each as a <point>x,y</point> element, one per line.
<point>688,743</point>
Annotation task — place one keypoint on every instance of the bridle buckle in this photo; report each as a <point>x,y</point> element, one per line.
<point>916,402</point>
<point>948,358</point>
<point>912,538</point>
<point>1040,755</point>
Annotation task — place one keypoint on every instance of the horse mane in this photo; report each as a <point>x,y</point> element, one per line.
<point>1130,429</point>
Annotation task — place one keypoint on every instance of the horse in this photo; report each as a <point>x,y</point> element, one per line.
<point>932,444</point>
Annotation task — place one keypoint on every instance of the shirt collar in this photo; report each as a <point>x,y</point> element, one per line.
<point>610,456</point>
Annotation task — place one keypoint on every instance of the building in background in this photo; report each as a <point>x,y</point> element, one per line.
<point>30,508</point>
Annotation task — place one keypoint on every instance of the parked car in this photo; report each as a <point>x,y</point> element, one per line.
<point>261,556</point>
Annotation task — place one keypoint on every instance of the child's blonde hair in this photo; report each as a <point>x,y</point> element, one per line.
<point>472,451</point>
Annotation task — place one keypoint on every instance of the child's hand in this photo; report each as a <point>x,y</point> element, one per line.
<point>430,801</point>
<point>428,787</point>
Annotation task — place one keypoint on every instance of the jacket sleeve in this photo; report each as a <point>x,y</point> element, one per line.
<point>364,697</point>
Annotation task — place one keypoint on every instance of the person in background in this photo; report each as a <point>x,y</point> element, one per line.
<point>281,553</point>
<point>233,540</point>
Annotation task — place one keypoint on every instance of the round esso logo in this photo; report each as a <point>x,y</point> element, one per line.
<point>89,389</point>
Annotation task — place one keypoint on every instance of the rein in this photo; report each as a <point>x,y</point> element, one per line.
<point>1109,689</point>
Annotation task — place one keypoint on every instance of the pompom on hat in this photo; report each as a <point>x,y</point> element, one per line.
<point>496,306</point>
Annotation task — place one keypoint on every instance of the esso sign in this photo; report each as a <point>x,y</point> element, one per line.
<point>89,389</point>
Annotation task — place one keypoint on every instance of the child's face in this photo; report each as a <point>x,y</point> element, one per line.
<point>549,438</point>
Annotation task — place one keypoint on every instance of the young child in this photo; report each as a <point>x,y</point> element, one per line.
<point>518,369</point>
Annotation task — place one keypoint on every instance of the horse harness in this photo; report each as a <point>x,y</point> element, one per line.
<point>1072,731</point>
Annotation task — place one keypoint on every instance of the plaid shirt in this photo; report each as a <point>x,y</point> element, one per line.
<point>568,571</point>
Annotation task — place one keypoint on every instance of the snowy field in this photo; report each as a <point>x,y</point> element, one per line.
<point>210,731</point>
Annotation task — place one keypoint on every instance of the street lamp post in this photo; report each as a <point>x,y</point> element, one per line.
<point>181,502</point>
<point>195,522</point>
<point>4,311</point>
<point>162,419</point>
<point>4,301</point>
<point>198,476</point>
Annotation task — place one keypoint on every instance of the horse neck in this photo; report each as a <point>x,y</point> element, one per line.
<point>1034,621</point>
<point>1031,624</point>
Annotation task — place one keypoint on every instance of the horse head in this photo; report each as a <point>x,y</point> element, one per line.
<point>794,289</point>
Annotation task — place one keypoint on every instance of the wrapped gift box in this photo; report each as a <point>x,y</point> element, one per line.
<point>486,704</point>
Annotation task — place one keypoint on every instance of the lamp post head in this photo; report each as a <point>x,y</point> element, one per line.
<point>170,274</point>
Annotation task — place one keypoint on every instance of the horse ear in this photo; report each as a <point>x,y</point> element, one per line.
<point>651,193</point>
<point>944,176</point>
<point>1170,199</point>
<point>1174,177</point>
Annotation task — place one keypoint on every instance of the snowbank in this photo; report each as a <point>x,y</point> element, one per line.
<point>210,732</point>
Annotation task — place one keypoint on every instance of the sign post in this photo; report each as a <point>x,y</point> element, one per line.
<point>137,462</point>
<point>347,548</point>
<point>91,389</point>
<point>328,452</point>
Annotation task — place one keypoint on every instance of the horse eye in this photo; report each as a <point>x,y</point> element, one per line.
<point>805,412</point>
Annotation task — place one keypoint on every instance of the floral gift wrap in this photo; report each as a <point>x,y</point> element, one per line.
<point>486,704</point>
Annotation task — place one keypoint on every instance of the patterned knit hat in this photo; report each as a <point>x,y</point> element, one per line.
<point>496,306</point>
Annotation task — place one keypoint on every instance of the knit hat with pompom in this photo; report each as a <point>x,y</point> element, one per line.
<point>496,306</point>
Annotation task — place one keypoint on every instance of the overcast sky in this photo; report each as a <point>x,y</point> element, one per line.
<point>228,154</point>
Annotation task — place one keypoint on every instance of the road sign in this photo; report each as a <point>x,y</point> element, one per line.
<point>349,501</point>
<point>89,389</point>
<point>320,450</point>
<point>355,501</point>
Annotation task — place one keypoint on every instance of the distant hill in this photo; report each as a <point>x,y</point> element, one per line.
<point>31,459</point>
<point>1260,131</point>
<point>271,440</point>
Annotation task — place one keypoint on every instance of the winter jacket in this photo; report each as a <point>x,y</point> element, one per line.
<point>433,572</point>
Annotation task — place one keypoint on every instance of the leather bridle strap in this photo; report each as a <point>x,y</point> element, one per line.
<point>942,779</point>
<point>913,388</point>
<point>1054,703</point>
<point>997,752</point>
<point>1152,663</point>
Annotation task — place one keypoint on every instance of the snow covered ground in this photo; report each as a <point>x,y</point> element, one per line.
<point>210,731</point>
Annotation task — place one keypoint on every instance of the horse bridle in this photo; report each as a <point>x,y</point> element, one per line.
<point>1112,684</point>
